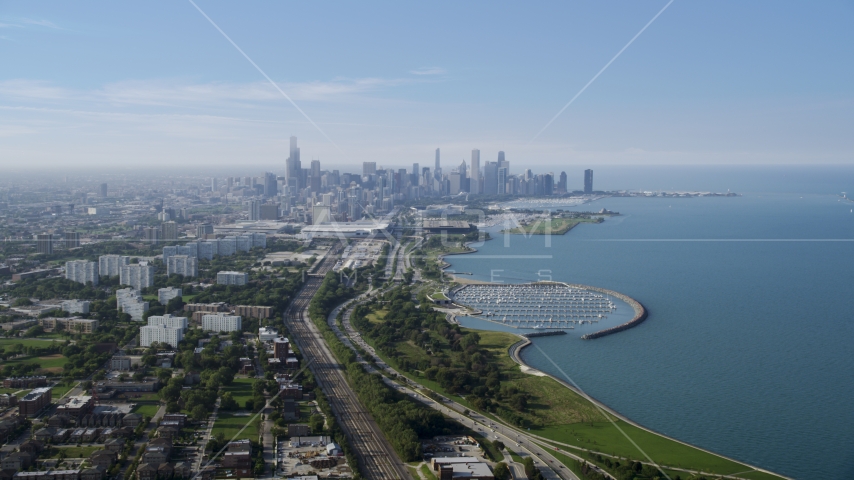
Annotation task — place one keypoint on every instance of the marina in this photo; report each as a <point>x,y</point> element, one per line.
<point>538,306</point>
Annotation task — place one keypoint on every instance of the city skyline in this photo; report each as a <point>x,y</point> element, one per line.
<point>179,94</point>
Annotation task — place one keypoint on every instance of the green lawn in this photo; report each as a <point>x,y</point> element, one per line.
<point>606,438</point>
<point>240,389</point>
<point>229,425</point>
<point>60,390</point>
<point>146,409</point>
<point>425,470</point>
<point>48,363</point>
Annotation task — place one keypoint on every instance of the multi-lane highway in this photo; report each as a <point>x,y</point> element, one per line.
<point>377,459</point>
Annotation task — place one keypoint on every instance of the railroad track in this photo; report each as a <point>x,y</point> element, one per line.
<point>377,459</point>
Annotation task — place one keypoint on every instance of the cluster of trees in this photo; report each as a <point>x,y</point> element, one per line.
<point>273,292</point>
<point>446,353</point>
<point>84,357</point>
<point>56,288</point>
<point>621,470</point>
<point>531,470</point>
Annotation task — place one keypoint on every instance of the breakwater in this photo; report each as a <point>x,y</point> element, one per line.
<point>543,334</point>
<point>640,312</point>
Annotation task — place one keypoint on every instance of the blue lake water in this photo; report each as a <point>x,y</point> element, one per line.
<point>749,347</point>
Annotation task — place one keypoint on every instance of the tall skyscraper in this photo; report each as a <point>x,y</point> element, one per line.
<point>102,190</point>
<point>490,178</point>
<point>369,168</point>
<point>415,174</point>
<point>561,185</point>
<point>293,173</point>
<point>271,186</point>
<point>474,185</point>
<point>588,181</point>
<point>438,168</point>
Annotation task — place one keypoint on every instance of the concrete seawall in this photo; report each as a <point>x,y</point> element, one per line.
<point>640,312</point>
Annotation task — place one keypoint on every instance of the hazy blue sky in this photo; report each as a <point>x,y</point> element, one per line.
<point>130,83</point>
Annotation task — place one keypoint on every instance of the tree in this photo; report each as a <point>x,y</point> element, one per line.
<point>499,445</point>
<point>199,413</point>
<point>227,402</point>
<point>501,471</point>
<point>316,423</point>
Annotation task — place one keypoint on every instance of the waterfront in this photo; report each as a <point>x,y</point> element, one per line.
<point>748,343</point>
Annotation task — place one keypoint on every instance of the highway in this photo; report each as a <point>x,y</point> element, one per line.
<point>377,459</point>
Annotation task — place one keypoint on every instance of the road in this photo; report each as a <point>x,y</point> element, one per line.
<point>377,459</point>
<point>550,467</point>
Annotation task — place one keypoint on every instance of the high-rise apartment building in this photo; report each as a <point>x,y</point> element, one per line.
<point>160,334</point>
<point>232,278</point>
<point>81,271</point>
<point>102,190</point>
<point>415,175</point>
<point>222,323</point>
<point>72,239</point>
<point>254,209</point>
<point>202,231</point>
<point>164,295</point>
<point>152,235</point>
<point>168,320</point>
<point>182,265</point>
<point>44,243</point>
<point>130,301</point>
<point>111,265</point>
<point>138,275</point>
<point>169,231</point>
<point>561,184</point>
<point>588,181</point>
<point>474,184</point>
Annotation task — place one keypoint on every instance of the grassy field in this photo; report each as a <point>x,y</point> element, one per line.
<point>28,342</point>
<point>48,363</point>
<point>240,389</point>
<point>229,425</point>
<point>552,226</point>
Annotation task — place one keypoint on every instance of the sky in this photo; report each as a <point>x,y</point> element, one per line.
<point>155,84</point>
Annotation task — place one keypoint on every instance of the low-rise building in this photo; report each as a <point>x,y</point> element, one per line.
<point>76,406</point>
<point>72,325</point>
<point>253,311</point>
<point>32,403</point>
<point>267,334</point>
